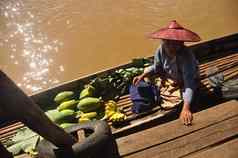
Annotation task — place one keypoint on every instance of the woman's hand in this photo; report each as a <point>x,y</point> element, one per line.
<point>137,79</point>
<point>186,115</point>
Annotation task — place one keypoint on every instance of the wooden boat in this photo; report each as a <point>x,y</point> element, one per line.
<point>221,53</point>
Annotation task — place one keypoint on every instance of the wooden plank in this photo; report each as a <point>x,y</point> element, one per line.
<point>138,123</point>
<point>231,64</point>
<point>9,133</point>
<point>218,61</point>
<point>135,122</point>
<point>10,126</point>
<point>172,130</point>
<point>191,142</point>
<point>229,72</point>
<point>218,65</point>
<point>227,150</point>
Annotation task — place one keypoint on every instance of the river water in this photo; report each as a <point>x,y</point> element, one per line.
<point>47,42</point>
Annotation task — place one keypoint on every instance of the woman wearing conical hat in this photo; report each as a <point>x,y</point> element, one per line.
<point>177,68</point>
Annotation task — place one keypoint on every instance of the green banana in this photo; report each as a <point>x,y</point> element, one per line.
<point>83,120</point>
<point>89,115</point>
<point>65,125</point>
<point>89,104</point>
<point>71,104</point>
<point>117,117</point>
<point>63,96</point>
<point>87,92</point>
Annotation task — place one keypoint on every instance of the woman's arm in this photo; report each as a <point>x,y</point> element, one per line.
<point>190,74</point>
<point>149,70</point>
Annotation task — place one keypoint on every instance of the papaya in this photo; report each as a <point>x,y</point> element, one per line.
<point>71,104</point>
<point>59,117</point>
<point>63,96</point>
<point>67,112</point>
<point>89,104</point>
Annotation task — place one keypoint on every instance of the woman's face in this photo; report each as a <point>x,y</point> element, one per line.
<point>172,46</point>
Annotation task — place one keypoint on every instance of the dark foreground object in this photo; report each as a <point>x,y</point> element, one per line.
<point>99,144</point>
<point>16,105</point>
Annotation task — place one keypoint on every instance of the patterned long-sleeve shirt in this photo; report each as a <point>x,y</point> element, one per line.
<point>182,68</point>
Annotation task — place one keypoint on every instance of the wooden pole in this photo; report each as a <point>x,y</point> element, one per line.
<point>17,105</point>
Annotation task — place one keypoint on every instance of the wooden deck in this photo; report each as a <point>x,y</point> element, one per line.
<point>214,133</point>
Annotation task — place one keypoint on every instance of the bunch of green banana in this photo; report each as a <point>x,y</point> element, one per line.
<point>111,106</point>
<point>117,117</point>
<point>89,115</point>
<point>71,104</point>
<point>89,104</point>
<point>83,120</point>
<point>88,91</point>
<point>63,96</point>
<point>85,117</point>
<point>110,109</point>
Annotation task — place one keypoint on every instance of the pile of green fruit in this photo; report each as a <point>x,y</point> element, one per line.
<point>94,100</point>
<point>71,110</point>
<point>87,107</point>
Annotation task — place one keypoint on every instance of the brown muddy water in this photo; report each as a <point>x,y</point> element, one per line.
<point>47,42</point>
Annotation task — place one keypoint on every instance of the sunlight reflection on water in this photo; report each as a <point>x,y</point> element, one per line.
<point>34,51</point>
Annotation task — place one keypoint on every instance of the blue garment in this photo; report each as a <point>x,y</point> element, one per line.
<point>144,96</point>
<point>183,69</point>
